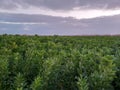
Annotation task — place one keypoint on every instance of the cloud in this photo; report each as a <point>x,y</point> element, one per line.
<point>26,28</point>
<point>61,4</point>
<point>77,14</point>
<point>30,19</point>
<point>22,23</point>
<point>60,26</point>
<point>64,17</point>
<point>8,4</point>
<point>78,9</point>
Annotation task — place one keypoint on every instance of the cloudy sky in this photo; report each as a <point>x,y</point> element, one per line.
<point>60,17</point>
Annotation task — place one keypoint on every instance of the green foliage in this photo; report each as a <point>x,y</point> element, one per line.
<point>59,63</point>
<point>82,83</point>
<point>37,84</point>
<point>3,70</point>
<point>19,82</point>
<point>116,81</point>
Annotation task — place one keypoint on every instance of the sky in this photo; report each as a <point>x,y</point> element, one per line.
<point>60,17</point>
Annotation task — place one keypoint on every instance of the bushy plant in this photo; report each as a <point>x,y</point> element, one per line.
<point>59,63</point>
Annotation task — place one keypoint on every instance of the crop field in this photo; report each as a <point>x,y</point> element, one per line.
<point>59,62</point>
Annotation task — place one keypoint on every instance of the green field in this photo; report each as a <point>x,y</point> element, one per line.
<point>59,62</point>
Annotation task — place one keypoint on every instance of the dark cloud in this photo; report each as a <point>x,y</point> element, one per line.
<point>59,25</point>
<point>103,25</point>
<point>35,19</point>
<point>14,23</point>
<point>61,4</point>
<point>8,4</point>
<point>108,4</point>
